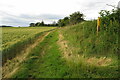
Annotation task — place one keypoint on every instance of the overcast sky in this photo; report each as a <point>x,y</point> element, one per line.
<point>23,12</point>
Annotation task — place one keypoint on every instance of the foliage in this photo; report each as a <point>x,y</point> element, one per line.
<point>63,22</point>
<point>5,26</point>
<point>109,16</point>
<point>32,25</point>
<point>39,24</point>
<point>74,18</point>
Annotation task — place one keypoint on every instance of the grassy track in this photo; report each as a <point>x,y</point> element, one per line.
<point>12,66</point>
<point>44,61</point>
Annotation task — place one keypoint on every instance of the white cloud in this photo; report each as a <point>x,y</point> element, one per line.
<point>35,10</point>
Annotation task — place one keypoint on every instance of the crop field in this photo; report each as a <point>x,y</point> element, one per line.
<point>15,40</point>
<point>11,36</point>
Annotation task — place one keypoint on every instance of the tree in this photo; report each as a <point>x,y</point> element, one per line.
<point>66,20</point>
<point>107,16</point>
<point>42,23</point>
<point>37,24</point>
<point>72,19</point>
<point>76,17</point>
<point>61,23</point>
<point>32,24</point>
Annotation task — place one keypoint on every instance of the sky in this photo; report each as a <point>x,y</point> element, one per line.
<point>23,12</point>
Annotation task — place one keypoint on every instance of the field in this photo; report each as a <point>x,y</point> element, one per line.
<point>14,40</point>
<point>10,36</point>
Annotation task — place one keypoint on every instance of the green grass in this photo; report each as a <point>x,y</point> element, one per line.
<point>84,37</point>
<point>46,61</point>
<point>85,41</point>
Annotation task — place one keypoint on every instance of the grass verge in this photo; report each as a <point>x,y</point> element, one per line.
<point>98,57</point>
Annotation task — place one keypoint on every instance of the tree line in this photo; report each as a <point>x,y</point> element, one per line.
<point>72,19</point>
<point>5,26</point>
<point>38,24</point>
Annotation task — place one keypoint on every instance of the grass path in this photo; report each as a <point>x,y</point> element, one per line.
<point>64,46</point>
<point>13,65</point>
<point>44,61</point>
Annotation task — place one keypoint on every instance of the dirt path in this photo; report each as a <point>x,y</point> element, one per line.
<point>13,65</point>
<point>66,50</point>
<point>64,47</point>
